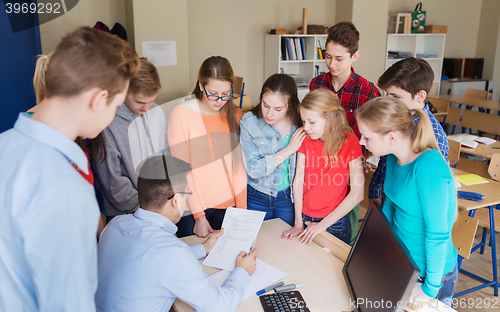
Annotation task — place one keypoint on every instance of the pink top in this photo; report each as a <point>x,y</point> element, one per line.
<point>204,142</point>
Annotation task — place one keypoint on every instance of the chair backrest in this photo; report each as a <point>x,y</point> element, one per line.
<point>454,152</point>
<point>481,121</point>
<point>472,166</point>
<point>475,93</point>
<point>494,167</point>
<point>453,116</point>
<point>463,233</point>
<point>440,105</point>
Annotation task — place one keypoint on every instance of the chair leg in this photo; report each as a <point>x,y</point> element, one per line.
<point>483,240</point>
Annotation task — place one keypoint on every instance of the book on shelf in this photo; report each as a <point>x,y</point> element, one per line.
<point>471,179</point>
<point>320,54</point>
<point>298,49</point>
<point>284,56</point>
<point>303,45</point>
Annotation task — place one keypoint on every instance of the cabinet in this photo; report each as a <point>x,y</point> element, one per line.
<point>429,47</point>
<point>274,63</point>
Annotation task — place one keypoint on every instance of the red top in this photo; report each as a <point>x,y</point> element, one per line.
<point>325,186</point>
<point>354,93</point>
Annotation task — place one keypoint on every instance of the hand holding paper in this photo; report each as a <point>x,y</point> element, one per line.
<point>240,231</point>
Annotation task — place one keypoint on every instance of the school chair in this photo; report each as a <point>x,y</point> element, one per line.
<point>482,214</point>
<point>441,107</point>
<point>453,117</point>
<point>482,122</point>
<point>476,93</point>
<point>472,166</point>
<point>454,152</point>
<point>463,234</point>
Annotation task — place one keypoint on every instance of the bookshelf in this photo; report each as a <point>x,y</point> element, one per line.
<point>430,47</point>
<point>306,68</point>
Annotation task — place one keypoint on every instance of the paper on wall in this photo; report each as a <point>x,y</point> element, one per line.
<point>160,53</point>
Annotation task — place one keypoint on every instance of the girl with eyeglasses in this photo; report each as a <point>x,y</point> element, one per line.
<point>204,132</point>
<point>270,140</point>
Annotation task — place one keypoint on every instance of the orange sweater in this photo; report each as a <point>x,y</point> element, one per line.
<point>204,142</point>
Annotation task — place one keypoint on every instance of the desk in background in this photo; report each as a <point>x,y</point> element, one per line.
<point>491,192</point>
<point>468,101</point>
<point>482,150</point>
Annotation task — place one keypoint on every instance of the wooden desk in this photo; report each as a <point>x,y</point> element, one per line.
<point>491,192</point>
<point>318,270</point>
<point>468,101</point>
<point>481,150</point>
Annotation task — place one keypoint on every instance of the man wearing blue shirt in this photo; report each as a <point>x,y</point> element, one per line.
<point>143,266</point>
<point>409,80</point>
<point>48,259</point>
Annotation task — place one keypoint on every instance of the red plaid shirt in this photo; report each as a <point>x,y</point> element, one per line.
<point>354,93</point>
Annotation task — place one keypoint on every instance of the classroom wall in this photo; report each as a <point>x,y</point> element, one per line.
<point>165,20</point>
<point>496,70</point>
<point>487,40</point>
<point>236,28</point>
<point>461,16</point>
<point>343,10</point>
<point>372,37</point>
<point>85,13</point>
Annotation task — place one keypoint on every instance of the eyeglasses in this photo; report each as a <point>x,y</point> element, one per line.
<point>187,193</point>
<point>212,97</point>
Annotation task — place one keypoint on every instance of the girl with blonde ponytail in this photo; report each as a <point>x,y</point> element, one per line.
<point>420,192</point>
<point>328,161</point>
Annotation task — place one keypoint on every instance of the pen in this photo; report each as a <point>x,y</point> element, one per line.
<point>287,287</point>
<point>496,147</point>
<point>263,291</point>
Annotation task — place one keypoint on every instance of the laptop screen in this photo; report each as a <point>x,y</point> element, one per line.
<point>379,272</point>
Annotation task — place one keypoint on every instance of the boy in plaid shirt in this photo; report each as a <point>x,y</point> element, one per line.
<point>352,89</point>
<point>409,80</point>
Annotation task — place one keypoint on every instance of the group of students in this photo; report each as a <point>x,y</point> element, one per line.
<point>298,161</point>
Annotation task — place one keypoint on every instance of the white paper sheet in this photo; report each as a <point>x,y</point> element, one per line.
<point>160,53</point>
<point>240,231</point>
<point>264,276</point>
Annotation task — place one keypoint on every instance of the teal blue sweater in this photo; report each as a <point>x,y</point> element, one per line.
<point>421,205</point>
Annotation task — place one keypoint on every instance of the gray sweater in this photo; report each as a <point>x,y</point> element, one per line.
<point>129,141</point>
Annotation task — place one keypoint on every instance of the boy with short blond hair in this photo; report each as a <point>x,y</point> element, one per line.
<point>137,132</point>
<point>48,254</point>
<point>341,50</point>
<point>409,80</point>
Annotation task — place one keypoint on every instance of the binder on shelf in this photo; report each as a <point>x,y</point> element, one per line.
<point>293,54</point>
<point>288,50</point>
<point>298,49</point>
<point>303,41</point>
<point>320,54</point>
<point>283,49</point>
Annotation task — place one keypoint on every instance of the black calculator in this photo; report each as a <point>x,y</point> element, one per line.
<point>287,301</point>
